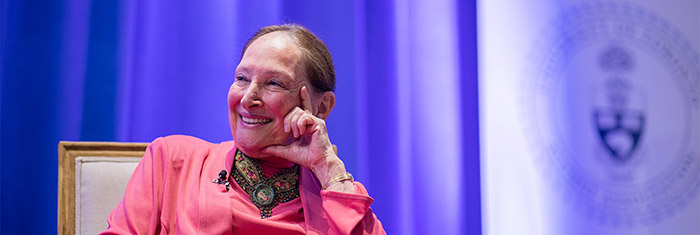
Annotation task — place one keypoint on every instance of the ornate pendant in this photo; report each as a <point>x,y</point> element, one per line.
<point>265,193</point>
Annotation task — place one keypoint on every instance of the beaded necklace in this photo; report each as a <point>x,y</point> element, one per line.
<point>266,193</point>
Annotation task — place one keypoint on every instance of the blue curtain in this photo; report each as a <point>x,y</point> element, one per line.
<point>405,122</point>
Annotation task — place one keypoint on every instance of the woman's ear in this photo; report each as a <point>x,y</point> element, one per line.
<point>326,104</point>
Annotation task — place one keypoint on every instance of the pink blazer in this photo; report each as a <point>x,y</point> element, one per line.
<point>171,192</point>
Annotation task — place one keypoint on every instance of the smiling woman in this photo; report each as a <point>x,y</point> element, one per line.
<point>284,176</point>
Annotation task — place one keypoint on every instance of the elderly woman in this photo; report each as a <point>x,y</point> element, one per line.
<point>279,175</point>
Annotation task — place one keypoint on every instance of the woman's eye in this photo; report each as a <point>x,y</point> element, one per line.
<point>241,79</point>
<point>275,83</point>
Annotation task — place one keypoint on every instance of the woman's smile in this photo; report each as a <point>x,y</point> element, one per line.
<point>251,121</point>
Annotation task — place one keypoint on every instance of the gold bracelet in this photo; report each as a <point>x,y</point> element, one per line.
<point>339,178</point>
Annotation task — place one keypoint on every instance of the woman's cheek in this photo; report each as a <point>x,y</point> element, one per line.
<point>231,102</point>
<point>234,97</point>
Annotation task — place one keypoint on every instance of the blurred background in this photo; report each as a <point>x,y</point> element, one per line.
<point>460,117</point>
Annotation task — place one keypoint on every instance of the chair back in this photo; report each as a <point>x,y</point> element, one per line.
<point>92,178</point>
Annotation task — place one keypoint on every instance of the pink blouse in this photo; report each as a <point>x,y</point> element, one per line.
<point>171,191</point>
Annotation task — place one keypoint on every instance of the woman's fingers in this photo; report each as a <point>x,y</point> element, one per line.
<point>304,122</point>
<point>299,122</point>
<point>305,100</point>
<point>288,123</point>
<point>292,121</point>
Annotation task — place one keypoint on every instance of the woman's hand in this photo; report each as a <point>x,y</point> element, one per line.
<point>311,147</point>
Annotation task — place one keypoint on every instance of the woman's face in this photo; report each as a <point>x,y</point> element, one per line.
<point>266,88</point>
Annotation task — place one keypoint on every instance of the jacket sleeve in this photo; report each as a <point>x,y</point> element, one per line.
<point>139,211</point>
<point>349,213</point>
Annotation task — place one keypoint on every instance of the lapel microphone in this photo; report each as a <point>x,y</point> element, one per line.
<point>222,180</point>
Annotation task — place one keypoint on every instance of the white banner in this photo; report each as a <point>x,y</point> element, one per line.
<point>590,116</point>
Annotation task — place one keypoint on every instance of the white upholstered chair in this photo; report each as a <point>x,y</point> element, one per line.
<point>92,178</point>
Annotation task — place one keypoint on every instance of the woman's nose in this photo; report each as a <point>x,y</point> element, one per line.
<point>251,97</point>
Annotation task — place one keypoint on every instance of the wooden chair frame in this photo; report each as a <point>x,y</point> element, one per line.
<point>67,152</point>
